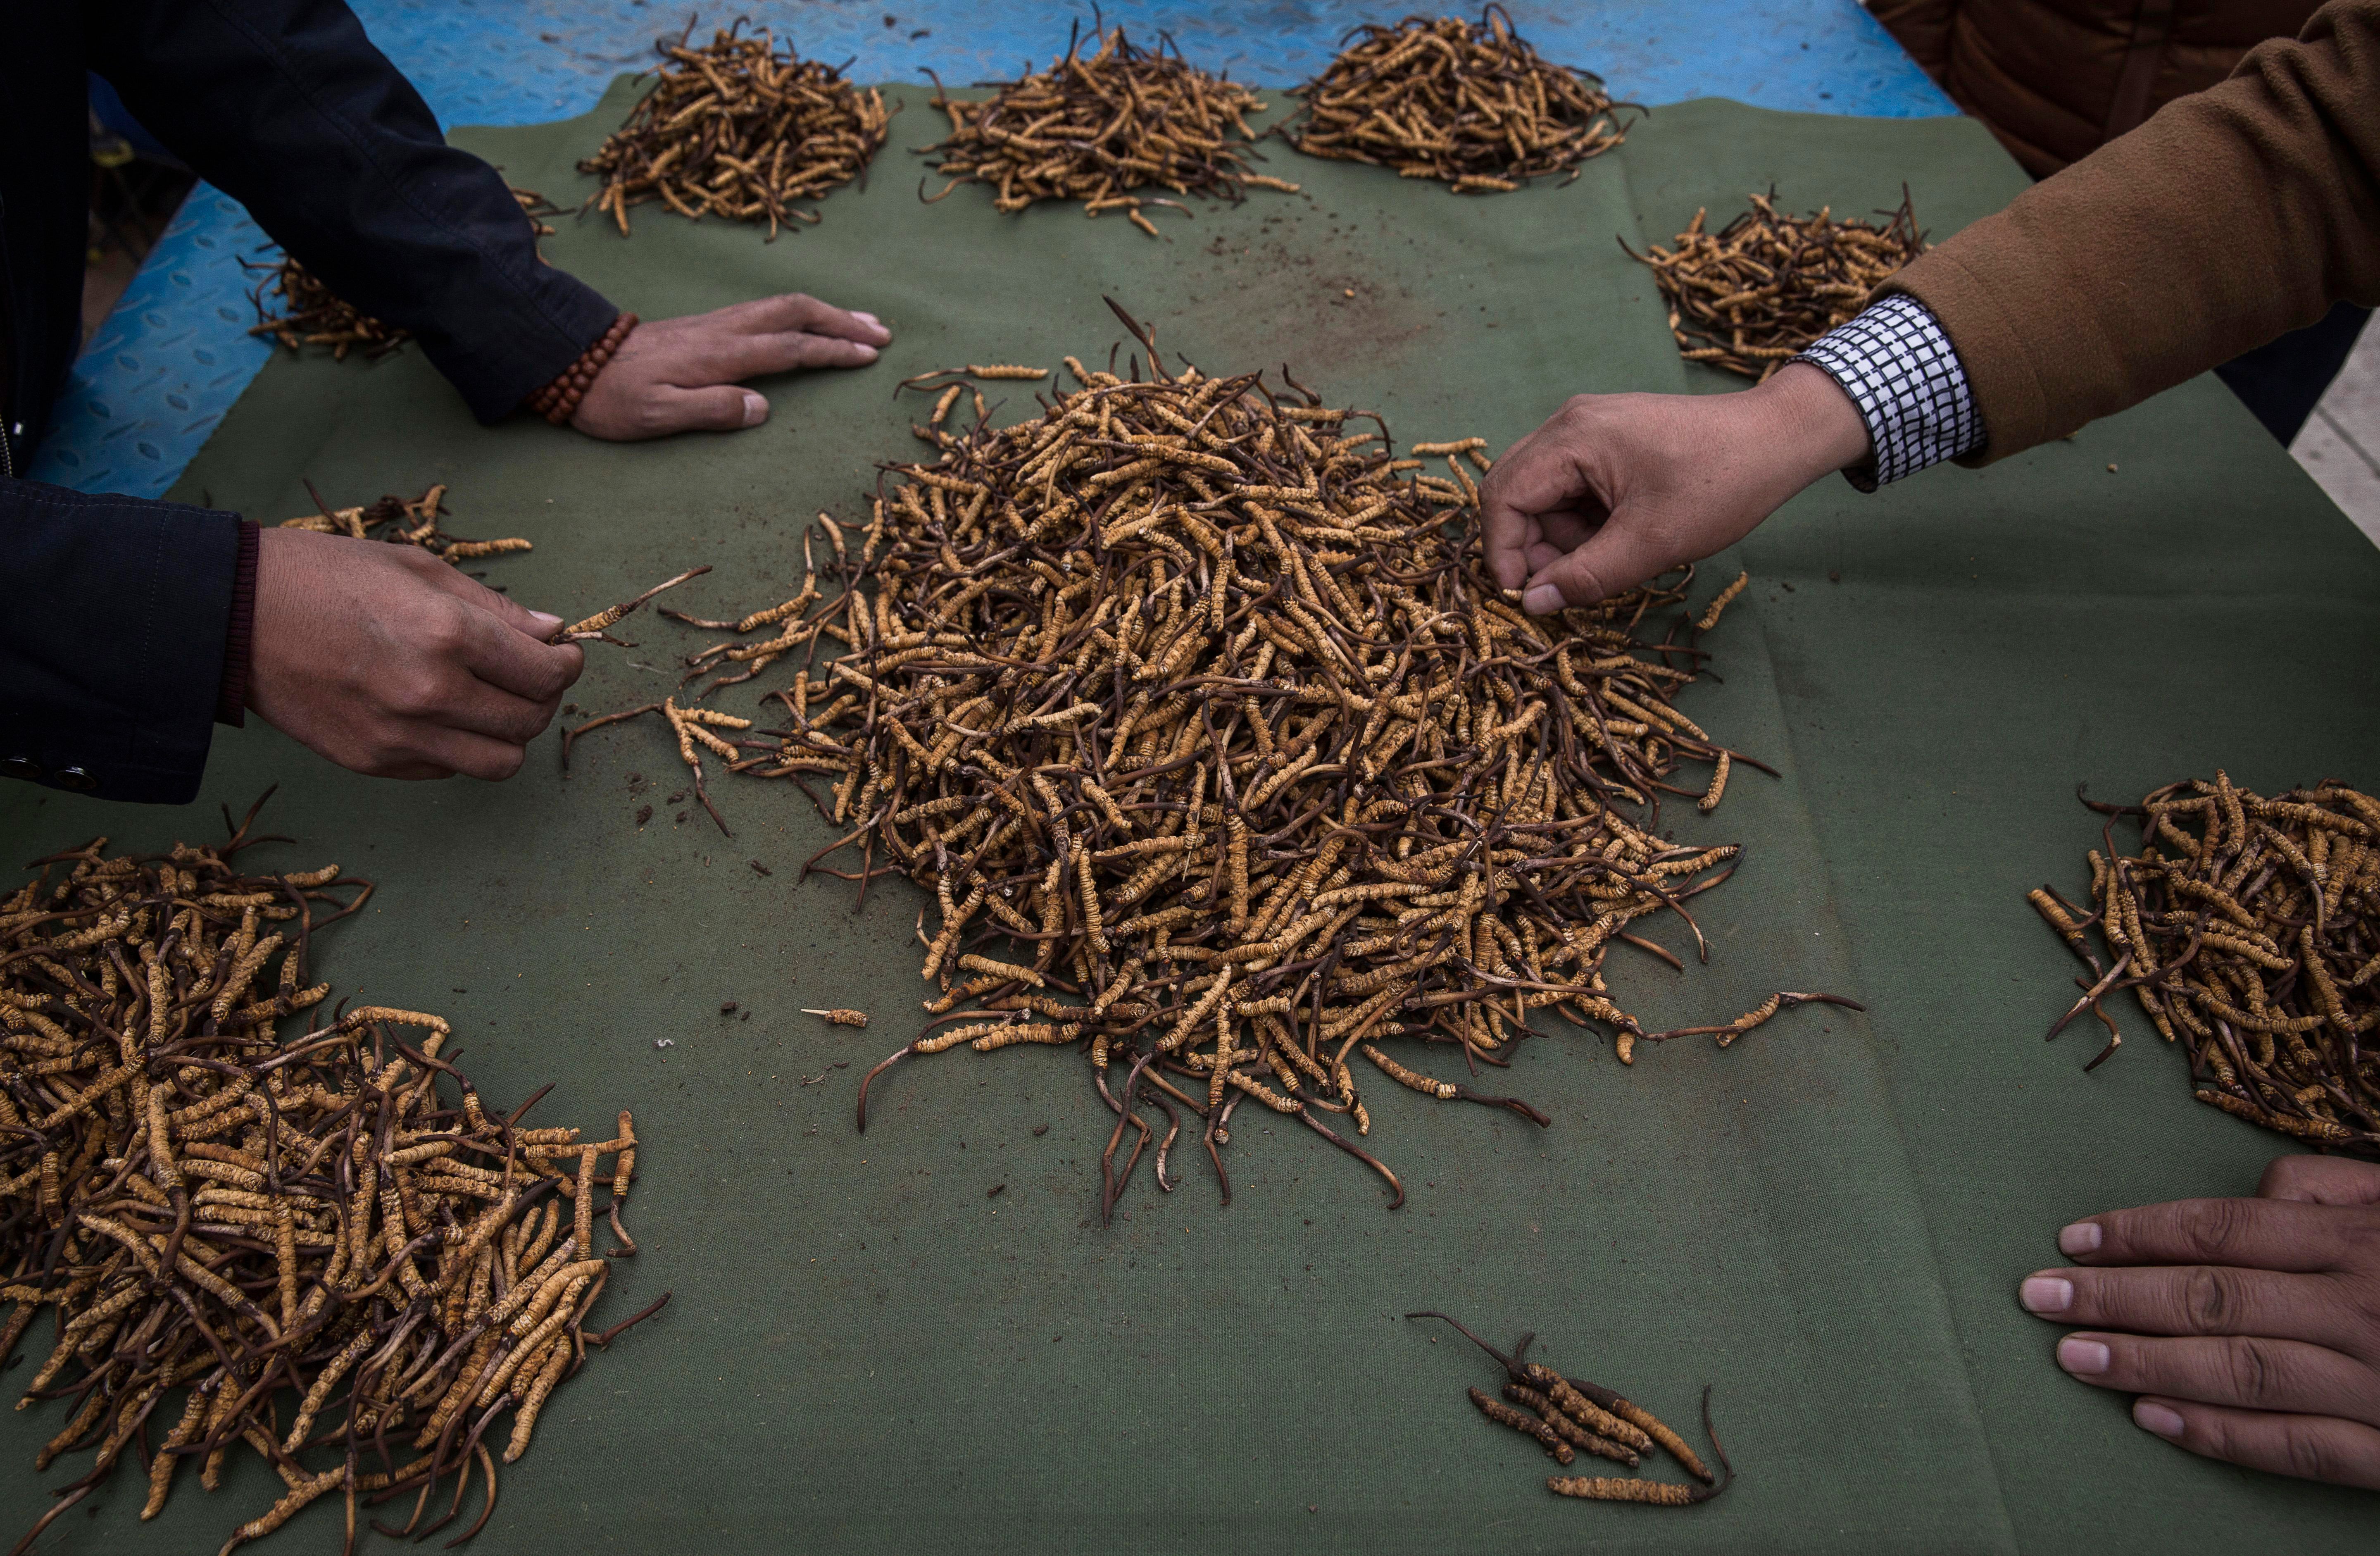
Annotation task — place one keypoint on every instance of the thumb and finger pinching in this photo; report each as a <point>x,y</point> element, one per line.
<point>1526,484</point>
<point>1614,559</point>
<point>1503,537</point>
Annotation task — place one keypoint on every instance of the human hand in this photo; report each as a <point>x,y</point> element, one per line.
<point>1615,488</point>
<point>680,375</point>
<point>2267,1312</point>
<point>389,661</point>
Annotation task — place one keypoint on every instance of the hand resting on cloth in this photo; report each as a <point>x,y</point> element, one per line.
<point>2249,1328</point>
<point>682,375</point>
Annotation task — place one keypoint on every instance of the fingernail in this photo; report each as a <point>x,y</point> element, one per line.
<point>2166,1423</point>
<point>2079,1355</point>
<point>2046,1294</point>
<point>870,319</point>
<point>867,352</point>
<point>1542,599</point>
<point>2082,1237</point>
<point>544,619</point>
<point>756,409</point>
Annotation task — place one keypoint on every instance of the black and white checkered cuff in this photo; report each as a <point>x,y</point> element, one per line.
<point>1902,372</point>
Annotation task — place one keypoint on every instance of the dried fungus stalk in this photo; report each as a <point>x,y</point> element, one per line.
<point>1195,709</point>
<point>1468,103</point>
<point>323,1248</point>
<point>1099,128</point>
<point>740,130</point>
<point>402,522</point>
<point>1747,298</point>
<point>2248,928</point>
<point>596,627</point>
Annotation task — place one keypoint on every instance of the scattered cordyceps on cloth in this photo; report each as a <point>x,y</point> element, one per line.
<point>218,1216</point>
<point>1570,1415</point>
<point>1469,103</point>
<point>739,129</point>
<point>304,311</point>
<point>2249,926</point>
<point>1749,297</point>
<point>1222,754</point>
<point>414,523</point>
<point>1102,126</point>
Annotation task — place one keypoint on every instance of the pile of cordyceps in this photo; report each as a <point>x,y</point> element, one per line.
<point>414,523</point>
<point>226,1226</point>
<point>1568,1417</point>
<point>2249,929</point>
<point>1750,298</point>
<point>1469,103</point>
<point>739,129</point>
<point>307,313</point>
<point>1194,709</point>
<point>1100,127</point>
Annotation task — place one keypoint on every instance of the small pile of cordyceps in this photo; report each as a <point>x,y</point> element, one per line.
<point>1102,127</point>
<point>1570,1415</point>
<point>1469,103</point>
<point>307,313</point>
<point>2249,926</point>
<point>216,1215</point>
<point>414,523</point>
<point>1750,298</point>
<point>739,129</point>
<point>1201,699</point>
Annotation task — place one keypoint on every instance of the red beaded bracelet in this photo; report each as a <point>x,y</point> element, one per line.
<point>558,401</point>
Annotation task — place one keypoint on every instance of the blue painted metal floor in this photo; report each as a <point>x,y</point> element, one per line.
<point>176,353</point>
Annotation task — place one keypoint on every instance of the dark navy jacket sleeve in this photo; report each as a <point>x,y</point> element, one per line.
<point>111,640</point>
<point>286,106</point>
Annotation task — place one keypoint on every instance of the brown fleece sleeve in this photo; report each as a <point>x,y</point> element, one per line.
<point>2232,216</point>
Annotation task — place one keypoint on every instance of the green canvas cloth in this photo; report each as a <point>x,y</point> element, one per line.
<point>866,1352</point>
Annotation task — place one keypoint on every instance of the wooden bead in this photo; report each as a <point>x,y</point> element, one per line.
<point>558,400</point>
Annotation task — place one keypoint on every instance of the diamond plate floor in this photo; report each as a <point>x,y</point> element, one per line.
<point>174,356</point>
<point>2339,446</point>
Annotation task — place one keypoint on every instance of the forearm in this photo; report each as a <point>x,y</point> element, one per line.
<point>2232,216</point>
<point>122,642</point>
<point>286,106</point>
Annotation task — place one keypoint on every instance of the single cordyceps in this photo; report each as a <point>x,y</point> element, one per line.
<point>1195,709</point>
<point>741,130</point>
<point>1102,126</point>
<point>1750,296</point>
<point>2249,926</point>
<point>1469,103</point>
<point>218,1215</point>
